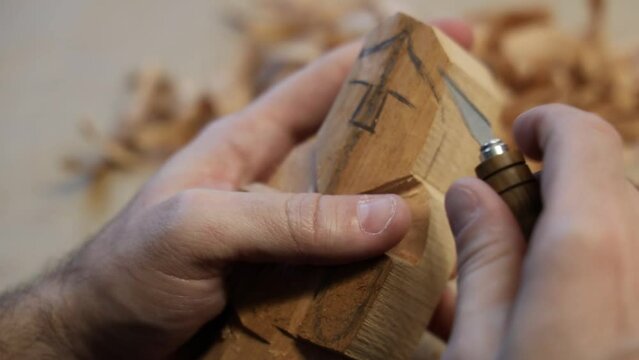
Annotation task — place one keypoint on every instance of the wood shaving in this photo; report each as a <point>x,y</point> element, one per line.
<point>153,126</point>
<point>278,37</point>
<point>284,35</point>
<point>535,61</point>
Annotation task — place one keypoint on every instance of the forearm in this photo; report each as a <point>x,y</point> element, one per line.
<point>68,313</point>
<point>85,308</point>
<point>34,323</point>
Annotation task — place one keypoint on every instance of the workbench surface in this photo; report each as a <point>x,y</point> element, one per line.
<point>64,60</point>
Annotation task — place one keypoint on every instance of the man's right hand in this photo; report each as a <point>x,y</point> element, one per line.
<point>573,291</point>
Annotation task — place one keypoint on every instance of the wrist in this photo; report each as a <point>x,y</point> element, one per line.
<point>35,323</point>
<point>97,306</point>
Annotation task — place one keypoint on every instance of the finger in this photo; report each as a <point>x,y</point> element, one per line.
<point>458,30</point>
<point>295,109</point>
<point>441,323</point>
<point>490,248</point>
<point>240,148</point>
<point>298,105</point>
<point>246,146</point>
<point>585,196</point>
<point>287,114</point>
<point>273,227</point>
<point>582,183</point>
<point>580,151</point>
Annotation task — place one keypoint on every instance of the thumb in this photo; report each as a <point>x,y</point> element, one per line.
<point>490,248</point>
<point>274,227</point>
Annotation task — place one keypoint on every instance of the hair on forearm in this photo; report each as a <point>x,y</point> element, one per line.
<point>32,315</point>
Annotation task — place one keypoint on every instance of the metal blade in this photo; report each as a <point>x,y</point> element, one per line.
<point>475,121</point>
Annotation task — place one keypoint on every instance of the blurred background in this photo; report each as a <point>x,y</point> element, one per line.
<point>78,77</point>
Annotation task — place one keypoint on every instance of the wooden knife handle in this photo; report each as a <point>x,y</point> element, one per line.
<point>512,179</point>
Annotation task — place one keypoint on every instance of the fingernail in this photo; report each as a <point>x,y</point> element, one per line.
<point>375,213</point>
<point>461,206</point>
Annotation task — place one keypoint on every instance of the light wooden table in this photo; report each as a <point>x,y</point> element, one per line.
<point>62,60</point>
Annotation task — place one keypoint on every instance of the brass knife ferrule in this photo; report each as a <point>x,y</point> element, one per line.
<point>507,173</point>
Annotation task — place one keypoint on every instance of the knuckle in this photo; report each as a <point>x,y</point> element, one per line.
<point>178,210</point>
<point>179,228</point>
<point>550,111</point>
<point>574,119</point>
<point>220,126</point>
<point>302,217</point>
<point>604,130</point>
<point>573,233</point>
<point>556,107</point>
<point>547,113</point>
<point>553,111</point>
<point>589,241</point>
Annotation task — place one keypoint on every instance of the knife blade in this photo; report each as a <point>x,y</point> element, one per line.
<point>502,169</point>
<point>475,121</point>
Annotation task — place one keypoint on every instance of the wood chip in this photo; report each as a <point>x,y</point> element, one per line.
<point>533,58</point>
<point>538,62</point>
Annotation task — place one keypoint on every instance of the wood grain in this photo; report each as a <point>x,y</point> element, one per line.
<point>392,129</point>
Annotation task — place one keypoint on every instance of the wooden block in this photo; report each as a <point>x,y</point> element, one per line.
<point>392,129</point>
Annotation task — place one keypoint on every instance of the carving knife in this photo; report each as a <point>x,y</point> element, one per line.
<point>504,169</point>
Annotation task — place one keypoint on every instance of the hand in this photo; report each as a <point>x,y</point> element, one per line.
<point>153,276</point>
<point>573,292</point>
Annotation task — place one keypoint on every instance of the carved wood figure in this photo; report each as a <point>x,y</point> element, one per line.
<point>392,129</point>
